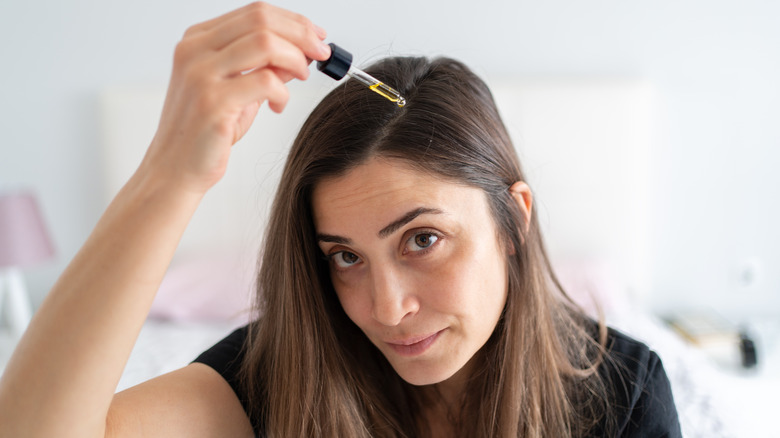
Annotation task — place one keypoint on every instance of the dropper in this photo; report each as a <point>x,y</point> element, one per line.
<point>340,64</point>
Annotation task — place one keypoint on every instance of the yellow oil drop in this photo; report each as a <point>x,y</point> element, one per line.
<point>389,93</point>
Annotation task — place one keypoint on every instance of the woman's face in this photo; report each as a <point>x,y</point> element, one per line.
<point>416,263</point>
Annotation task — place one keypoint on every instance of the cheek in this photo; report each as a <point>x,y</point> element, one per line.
<point>471,279</point>
<point>354,300</point>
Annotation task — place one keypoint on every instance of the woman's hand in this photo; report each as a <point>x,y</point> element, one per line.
<point>66,367</point>
<point>224,69</point>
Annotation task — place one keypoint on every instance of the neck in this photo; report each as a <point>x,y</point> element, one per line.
<point>447,394</point>
<point>442,403</point>
<point>441,409</point>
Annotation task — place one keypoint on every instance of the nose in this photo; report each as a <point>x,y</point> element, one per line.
<point>392,299</point>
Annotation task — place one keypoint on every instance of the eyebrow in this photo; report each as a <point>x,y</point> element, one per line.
<point>386,231</point>
<point>405,219</point>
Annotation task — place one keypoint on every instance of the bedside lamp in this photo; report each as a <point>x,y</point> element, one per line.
<point>24,241</point>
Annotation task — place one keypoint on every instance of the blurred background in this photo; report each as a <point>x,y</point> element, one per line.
<point>649,132</point>
<point>712,66</point>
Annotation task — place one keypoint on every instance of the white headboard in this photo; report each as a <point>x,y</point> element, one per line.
<point>585,148</point>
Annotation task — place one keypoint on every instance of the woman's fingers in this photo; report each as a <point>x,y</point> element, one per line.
<point>257,86</point>
<point>262,49</point>
<point>254,37</point>
<point>261,16</point>
<point>224,69</point>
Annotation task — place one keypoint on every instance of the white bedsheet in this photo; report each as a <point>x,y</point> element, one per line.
<point>166,346</point>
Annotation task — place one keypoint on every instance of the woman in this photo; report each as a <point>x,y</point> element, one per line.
<point>404,287</point>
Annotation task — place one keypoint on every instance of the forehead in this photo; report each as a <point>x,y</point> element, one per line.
<point>383,188</point>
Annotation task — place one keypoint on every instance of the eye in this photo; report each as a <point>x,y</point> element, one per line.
<point>344,259</point>
<point>420,242</point>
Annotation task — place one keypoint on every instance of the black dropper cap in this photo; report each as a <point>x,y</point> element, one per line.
<point>338,64</point>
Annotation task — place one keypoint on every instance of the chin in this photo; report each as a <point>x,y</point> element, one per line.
<point>420,374</point>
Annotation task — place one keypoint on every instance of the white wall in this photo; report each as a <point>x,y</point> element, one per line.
<point>714,65</point>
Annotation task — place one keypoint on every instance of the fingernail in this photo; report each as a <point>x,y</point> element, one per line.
<point>325,49</point>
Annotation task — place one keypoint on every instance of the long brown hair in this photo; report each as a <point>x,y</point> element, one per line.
<point>309,371</point>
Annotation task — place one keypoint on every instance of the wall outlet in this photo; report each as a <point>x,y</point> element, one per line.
<point>750,274</point>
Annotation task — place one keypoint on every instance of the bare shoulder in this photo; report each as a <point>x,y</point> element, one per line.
<point>194,401</point>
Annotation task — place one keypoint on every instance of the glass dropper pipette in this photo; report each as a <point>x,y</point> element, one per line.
<point>340,64</point>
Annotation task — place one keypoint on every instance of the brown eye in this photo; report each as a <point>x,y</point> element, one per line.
<point>344,259</point>
<point>348,257</point>
<point>421,241</point>
<point>424,240</point>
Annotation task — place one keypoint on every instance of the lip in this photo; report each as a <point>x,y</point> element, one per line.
<point>413,346</point>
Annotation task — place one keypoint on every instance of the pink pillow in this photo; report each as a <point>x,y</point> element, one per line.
<point>593,284</point>
<point>207,288</point>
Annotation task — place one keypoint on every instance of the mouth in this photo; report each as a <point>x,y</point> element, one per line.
<point>413,346</point>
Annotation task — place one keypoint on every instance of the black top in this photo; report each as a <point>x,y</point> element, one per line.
<point>643,397</point>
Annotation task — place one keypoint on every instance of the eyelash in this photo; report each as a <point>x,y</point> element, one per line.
<point>436,236</point>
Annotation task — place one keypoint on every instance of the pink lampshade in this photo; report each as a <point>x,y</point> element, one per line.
<point>24,240</point>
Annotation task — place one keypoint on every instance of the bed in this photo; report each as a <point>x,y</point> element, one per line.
<point>575,137</point>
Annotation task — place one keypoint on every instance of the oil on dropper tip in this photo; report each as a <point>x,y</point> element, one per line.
<point>401,102</point>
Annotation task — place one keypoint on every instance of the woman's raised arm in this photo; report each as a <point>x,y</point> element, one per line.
<point>62,377</point>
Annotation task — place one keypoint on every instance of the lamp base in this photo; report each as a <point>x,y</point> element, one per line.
<point>14,302</point>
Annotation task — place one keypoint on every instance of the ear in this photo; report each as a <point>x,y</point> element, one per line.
<point>521,193</point>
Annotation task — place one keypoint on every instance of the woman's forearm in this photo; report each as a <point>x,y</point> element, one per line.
<point>62,377</point>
